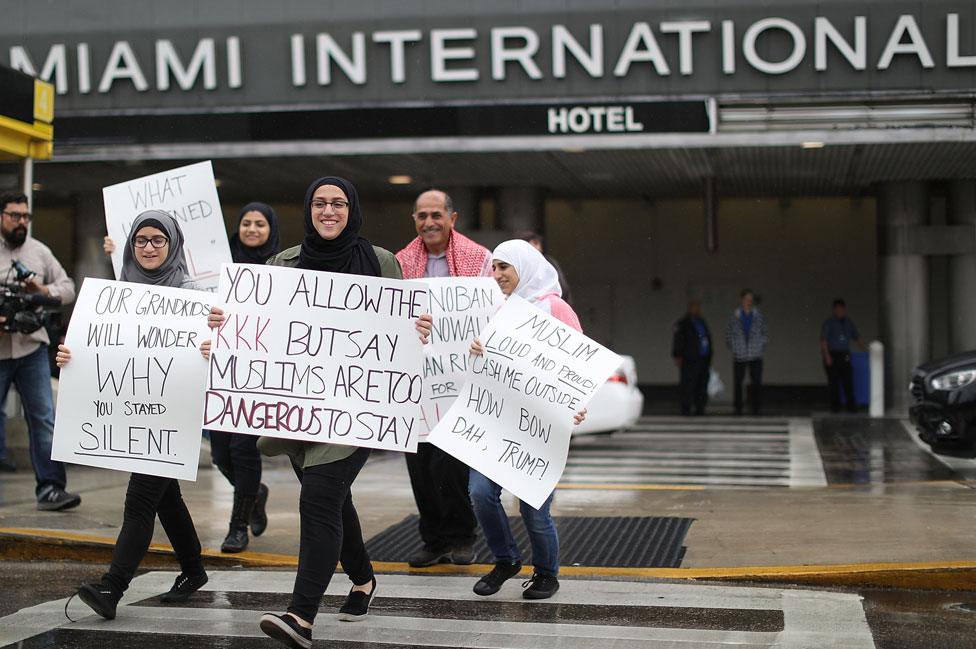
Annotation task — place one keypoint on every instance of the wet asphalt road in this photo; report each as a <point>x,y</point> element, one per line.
<point>897,619</point>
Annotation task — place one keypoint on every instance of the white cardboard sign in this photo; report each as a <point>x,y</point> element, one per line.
<point>317,357</point>
<point>131,397</point>
<point>189,194</point>
<point>514,416</point>
<point>461,307</point>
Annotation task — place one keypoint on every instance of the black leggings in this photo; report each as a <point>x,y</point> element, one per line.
<point>237,457</point>
<point>146,497</point>
<point>330,532</point>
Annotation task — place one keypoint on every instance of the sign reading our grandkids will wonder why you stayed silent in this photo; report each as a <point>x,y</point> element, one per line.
<point>131,397</point>
<point>514,416</point>
<point>317,357</point>
<point>189,194</point>
<point>461,307</point>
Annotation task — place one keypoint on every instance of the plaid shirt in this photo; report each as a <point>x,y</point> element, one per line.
<point>753,347</point>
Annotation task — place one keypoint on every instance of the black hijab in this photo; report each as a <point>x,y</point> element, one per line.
<point>242,254</point>
<point>347,253</point>
<point>173,271</point>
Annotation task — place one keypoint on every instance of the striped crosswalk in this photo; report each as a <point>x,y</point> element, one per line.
<point>428,611</point>
<point>708,452</point>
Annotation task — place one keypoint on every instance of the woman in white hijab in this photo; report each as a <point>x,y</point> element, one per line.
<point>521,270</point>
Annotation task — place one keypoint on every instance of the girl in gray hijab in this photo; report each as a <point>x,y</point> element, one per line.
<point>153,255</point>
<point>154,252</point>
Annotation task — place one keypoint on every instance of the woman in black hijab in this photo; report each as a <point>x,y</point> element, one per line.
<point>236,455</point>
<point>330,529</point>
<point>153,255</point>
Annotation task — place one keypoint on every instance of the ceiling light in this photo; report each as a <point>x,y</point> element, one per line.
<point>37,187</point>
<point>400,180</point>
<point>812,145</point>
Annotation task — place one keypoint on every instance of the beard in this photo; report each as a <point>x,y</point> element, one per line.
<point>16,237</point>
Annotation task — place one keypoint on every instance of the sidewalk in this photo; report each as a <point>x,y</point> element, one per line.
<point>903,534</point>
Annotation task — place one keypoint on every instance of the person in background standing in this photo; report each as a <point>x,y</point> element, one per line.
<point>746,335</point>
<point>24,359</point>
<point>439,481</point>
<point>539,243</point>
<point>691,350</point>
<point>835,346</point>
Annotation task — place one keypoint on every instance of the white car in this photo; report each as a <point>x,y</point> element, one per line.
<point>617,404</point>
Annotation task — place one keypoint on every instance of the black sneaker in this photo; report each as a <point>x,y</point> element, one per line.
<point>425,557</point>
<point>184,586</point>
<point>100,598</point>
<point>286,630</point>
<point>357,603</point>
<point>492,582</point>
<point>540,587</point>
<point>463,555</point>
<point>259,516</point>
<point>57,500</point>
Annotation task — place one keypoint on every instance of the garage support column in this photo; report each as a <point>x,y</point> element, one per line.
<point>90,259</point>
<point>904,285</point>
<point>521,208</point>
<point>962,270</point>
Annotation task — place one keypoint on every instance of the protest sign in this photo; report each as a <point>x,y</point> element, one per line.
<point>461,307</point>
<point>514,416</point>
<point>131,397</point>
<point>189,194</point>
<point>318,357</point>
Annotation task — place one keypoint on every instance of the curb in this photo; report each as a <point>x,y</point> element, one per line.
<point>18,544</point>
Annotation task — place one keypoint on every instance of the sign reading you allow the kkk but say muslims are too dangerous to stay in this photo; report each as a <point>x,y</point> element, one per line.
<point>318,357</point>
<point>514,416</point>
<point>131,397</point>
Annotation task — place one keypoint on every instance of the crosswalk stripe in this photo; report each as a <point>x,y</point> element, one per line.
<point>808,618</point>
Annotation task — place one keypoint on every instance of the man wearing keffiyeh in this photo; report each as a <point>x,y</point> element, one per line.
<point>439,481</point>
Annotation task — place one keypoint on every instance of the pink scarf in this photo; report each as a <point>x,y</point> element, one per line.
<point>465,258</point>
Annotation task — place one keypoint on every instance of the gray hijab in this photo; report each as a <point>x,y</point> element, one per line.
<point>173,271</point>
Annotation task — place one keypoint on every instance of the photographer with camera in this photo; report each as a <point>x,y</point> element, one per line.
<point>30,279</point>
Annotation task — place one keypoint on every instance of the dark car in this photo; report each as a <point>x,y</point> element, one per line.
<point>943,401</point>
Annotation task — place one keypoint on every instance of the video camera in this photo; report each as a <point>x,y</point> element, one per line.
<point>25,312</point>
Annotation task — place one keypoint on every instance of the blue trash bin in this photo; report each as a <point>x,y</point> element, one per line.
<point>861,365</point>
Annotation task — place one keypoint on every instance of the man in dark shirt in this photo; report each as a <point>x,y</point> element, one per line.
<point>691,350</point>
<point>835,345</point>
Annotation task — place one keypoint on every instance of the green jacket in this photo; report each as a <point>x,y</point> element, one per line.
<point>306,454</point>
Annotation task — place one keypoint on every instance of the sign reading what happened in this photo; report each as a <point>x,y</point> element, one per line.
<point>131,398</point>
<point>514,416</point>
<point>317,357</point>
<point>461,307</point>
<point>189,194</point>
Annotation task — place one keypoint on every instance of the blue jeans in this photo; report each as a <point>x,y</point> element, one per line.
<point>486,499</point>
<point>31,375</point>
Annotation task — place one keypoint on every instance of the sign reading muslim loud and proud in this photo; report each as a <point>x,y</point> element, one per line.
<point>131,397</point>
<point>461,307</point>
<point>317,357</point>
<point>189,194</point>
<point>514,416</point>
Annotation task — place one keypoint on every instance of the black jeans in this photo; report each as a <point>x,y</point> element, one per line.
<point>440,487</point>
<point>330,532</point>
<point>840,376</point>
<point>755,368</point>
<point>146,497</point>
<point>237,457</point>
<point>694,385</point>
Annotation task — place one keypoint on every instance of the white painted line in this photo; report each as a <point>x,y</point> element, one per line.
<point>806,465</point>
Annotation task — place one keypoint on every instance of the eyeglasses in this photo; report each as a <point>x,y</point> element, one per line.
<point>18,216</point>
<point>337,206</point>
<point>157,242</point>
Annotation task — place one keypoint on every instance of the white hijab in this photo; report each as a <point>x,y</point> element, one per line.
<point>537,277</point>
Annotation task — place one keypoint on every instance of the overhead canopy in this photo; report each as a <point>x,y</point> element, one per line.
<point>26,116</point>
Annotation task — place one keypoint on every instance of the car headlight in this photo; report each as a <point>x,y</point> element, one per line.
<point>953,380</point>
